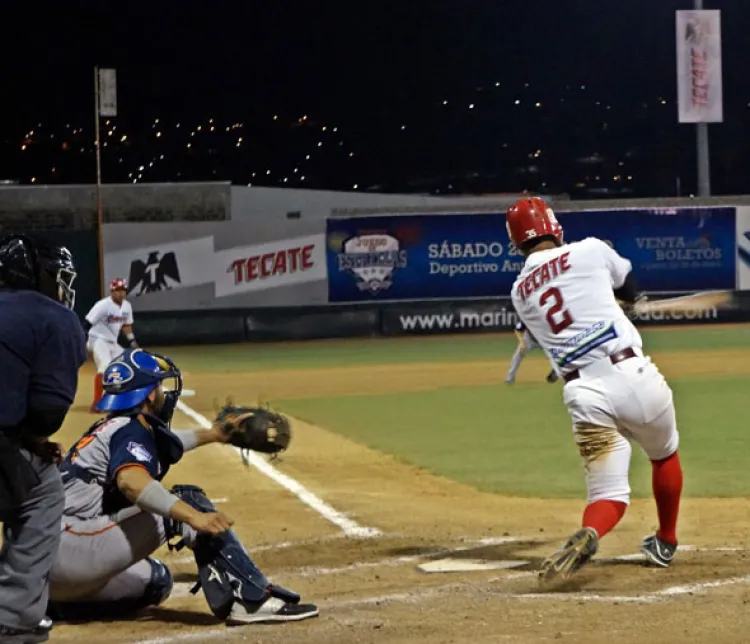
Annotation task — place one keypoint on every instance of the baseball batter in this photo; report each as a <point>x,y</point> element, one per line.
<point>567,296</point>
<point>117,513</point>
<point>526,343</point>
<point>103,324</point>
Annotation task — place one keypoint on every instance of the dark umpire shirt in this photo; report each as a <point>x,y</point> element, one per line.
<point>42,347</point>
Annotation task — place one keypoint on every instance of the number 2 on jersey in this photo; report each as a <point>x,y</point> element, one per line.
<point>558,318</point>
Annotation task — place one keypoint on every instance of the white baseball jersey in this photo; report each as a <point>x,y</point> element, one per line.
<point>107,319</point>
<point>564,296</point>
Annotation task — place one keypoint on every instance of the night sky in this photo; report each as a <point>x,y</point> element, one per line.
<point>367,67</point>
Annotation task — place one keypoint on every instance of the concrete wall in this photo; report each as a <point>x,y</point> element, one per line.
<point>27,208</point>
<point>275,203</point>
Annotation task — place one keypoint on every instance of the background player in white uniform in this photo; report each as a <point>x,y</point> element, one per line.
<point>117,513</point>
<point>526,343</point>
<point>567,295</point>
<point>103,324</point>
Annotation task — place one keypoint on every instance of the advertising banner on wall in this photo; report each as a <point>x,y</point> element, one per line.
<point>497,315</point>
<point>460,256</point>
<point>196,273</point>
<point>419,257</point>
<point>672,249</point>
<point>743,248</point>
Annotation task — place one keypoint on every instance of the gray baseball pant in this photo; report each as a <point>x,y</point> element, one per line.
<point>31,539</point>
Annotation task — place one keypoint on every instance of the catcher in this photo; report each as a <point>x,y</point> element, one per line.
<point>117,513</point>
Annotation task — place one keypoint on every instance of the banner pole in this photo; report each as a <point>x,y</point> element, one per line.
<point>702,149</point>
<point>99,216</point>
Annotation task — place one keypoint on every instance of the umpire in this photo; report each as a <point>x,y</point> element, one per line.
<point>42,347</point>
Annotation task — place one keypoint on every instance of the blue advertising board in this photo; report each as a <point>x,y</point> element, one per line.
<point>672,249</point>
<point>455,256</point>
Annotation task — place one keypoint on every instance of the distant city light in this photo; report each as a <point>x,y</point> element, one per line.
<point>373,136</point>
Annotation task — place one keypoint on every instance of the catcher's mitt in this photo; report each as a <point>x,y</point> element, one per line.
<point>255,428</point>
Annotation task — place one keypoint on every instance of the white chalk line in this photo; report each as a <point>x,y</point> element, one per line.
<point>387,562</point>
<point>348,526</point>
<point>646,598</point>
<point>474,544</point>
<point>397,561</point>
<point>181,589</point>
<point>390,561</point>
<point>423,594</point>
<point>281,545</point>
<point>410,597</point>
<point>638,557</point>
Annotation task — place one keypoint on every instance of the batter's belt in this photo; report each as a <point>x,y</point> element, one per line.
<point>619,356</point>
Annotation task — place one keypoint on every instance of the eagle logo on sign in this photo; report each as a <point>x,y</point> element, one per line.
<point>152,274</point>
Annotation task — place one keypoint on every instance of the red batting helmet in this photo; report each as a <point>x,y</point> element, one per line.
<point>118,284</point>
<point>530,218</point>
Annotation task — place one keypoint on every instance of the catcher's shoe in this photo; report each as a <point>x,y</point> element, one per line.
<point>657,552</point>
<point>18,636</point>
<point>577,552</point>
<point>271,610</point>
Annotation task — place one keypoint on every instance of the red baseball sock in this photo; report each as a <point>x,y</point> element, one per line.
<point>666,481</point>
<point>98,387</point>
<point>603,515</point>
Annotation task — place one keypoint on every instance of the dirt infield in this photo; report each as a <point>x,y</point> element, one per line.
<point>369,589</point>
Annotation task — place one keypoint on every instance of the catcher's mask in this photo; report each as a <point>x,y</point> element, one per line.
<point>31,263</point>
<point>129,380</point>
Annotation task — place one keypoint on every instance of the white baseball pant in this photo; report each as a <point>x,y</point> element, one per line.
<point>104,558</point>
<point>610,404</point>
<point>104,352</point>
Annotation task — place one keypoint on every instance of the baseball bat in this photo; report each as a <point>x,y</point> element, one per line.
<point>687,303</point>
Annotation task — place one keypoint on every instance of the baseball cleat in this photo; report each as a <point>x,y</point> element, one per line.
<point>577,552</point>
<point>9,635</point>
<point>657,552</point>
<point>271,610</point>
<point>552,377</point>
<point>509,381</point>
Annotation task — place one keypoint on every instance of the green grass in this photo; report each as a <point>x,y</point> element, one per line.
<point>508,440</point>
<point>518,440</point>
<point>254,357</point>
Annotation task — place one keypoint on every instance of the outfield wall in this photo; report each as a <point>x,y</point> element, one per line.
<point>395,319</point>
<point>231,263</point>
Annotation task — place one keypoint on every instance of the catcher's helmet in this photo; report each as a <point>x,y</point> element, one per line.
<point>531,218</point>
<point>118,284</point>
<point>33,264</point>
<point>129,379</point>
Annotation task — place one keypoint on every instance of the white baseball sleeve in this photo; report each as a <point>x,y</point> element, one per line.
<point>617,266</point>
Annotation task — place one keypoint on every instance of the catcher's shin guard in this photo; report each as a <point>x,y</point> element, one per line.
<point>225,570</point>
<point>155,593</point>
